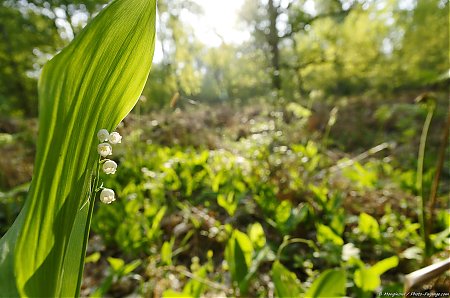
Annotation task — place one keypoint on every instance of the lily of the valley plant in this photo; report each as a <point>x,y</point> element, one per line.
<point>107,195</point>
<point>87,88</point>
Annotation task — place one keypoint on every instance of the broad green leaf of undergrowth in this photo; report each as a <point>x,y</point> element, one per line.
<point>92,84</point>
<point>285,281</point>
<point>228,201</point>
<point>238,253</point>
<point>331,283</point>
<point>325,235</point>
<point>368,278</point>
<point>256,235</point>
<point>369,226</point>
<point>166,253</point>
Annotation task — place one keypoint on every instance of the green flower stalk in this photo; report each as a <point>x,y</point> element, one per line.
<point>431,105</point>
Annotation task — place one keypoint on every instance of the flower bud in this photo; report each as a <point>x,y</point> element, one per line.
<point>107,196</point>
<point>109,167</point>
<point>115,138</point>
<point>103,135</point>
<point>104,149</point>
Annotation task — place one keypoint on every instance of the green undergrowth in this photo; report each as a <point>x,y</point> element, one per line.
<point>260,202</point>
<point>273,210</point>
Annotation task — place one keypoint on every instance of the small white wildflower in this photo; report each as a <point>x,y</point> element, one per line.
<point>115,138</point>
<point>107,196</point>
<point>104,149</point>
<point>349,251</point>
<point>103,135</point>
<point>109,167</point>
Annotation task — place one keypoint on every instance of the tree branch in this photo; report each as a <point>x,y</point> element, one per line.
<point>315,18</point>
<point>303,65</point>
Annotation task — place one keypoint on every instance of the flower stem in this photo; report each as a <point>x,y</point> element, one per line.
<point>419,179</point>
<point>92,196</point>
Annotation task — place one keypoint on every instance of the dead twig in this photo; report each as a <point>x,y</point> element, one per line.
<point>425,274</point>
<point>191,275</point>
<point>358,158</point>
<point>437,175</point>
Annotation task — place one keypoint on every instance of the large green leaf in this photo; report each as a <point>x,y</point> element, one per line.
<point>368,278</point>
<point>238,253</point>
<point>91,84</point>
<point>285,281</point>
<point>385,265</point>
<point>331,283</point>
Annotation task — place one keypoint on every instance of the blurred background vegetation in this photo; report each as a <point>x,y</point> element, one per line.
<point>290,125</point>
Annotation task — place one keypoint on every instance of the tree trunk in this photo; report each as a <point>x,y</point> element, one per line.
<point>274,40</point>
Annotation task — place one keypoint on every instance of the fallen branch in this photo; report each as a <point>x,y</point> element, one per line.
<point>193,276</point>
<point>358,158</point>
<point>425,274</point>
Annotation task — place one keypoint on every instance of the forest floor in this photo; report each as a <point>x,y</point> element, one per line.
<point>358,152</point>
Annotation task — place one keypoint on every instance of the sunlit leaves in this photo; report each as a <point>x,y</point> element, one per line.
<point>256,235</point>
<point>368,278</point>
<point>166,253</point>
<point>325,234</point>
<point>228,202</point>
<point>369,226</point>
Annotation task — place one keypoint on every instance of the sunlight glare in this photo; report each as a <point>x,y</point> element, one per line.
<point>218,22</point>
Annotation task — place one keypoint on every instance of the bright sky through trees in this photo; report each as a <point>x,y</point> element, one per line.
<point>219,20</point>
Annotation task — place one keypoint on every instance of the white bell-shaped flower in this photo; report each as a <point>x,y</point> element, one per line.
<point>103,135</point>
<point>107,196</point>
<point>109,167</point>
<point>104,149</point>
<point>115,138</point>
